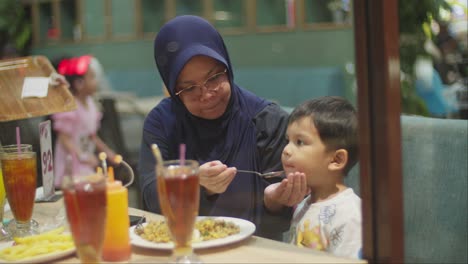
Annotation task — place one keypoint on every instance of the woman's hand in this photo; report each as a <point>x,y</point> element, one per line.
<point>216,176</point>
<point>288,192</point>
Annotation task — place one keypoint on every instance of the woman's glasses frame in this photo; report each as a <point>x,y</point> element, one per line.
<point>211,84</point>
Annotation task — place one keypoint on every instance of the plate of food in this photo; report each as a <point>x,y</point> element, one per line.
<point>209,232</point>
<point>41,248</point>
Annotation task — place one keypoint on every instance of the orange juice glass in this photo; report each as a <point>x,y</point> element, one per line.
<point>117,239</point>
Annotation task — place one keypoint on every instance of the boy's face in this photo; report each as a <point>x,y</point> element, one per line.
<point>305,152</point>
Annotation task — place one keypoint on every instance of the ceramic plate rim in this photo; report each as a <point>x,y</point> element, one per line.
<point>37,259</point>
<point>247,228</point>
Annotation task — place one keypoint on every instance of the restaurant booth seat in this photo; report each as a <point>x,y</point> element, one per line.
<point>435,172</point>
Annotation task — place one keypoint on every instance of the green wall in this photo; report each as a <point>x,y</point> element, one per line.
<point>299,48</point>
<point>130,65</point>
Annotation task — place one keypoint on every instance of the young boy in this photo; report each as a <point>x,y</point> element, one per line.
<point>323,146</point>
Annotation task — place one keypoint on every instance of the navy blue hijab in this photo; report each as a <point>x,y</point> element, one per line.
<point>232,138</point>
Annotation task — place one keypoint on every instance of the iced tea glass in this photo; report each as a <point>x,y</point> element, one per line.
<point>86,204</point>
<point>19,171</point>
<point>179,192</point>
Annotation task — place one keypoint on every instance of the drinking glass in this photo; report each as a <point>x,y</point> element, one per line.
<point>179,194</point>
<point>19,171</point>
<point>4,235</point>
<point>116,245</point>
<point>86,204</point>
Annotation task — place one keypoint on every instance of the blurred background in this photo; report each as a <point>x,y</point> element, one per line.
<point>283,50</point>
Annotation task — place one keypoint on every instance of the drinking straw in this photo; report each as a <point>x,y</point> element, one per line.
<point>103,157</point>
<point>160,165</point>
<point>119,160</point>
<point>18,139</point>
<point>110,174</point>
<point>157,154</point>
<point>182,154</point>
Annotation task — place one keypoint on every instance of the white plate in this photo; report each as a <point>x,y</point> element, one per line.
<point>37,259</point>
<point>246,229</point>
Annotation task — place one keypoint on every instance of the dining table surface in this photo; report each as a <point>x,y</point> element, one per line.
<point>252,249</point>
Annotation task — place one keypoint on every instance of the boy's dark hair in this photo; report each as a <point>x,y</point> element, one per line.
<point>336,122</point>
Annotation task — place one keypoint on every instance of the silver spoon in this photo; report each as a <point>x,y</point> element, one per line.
<point>139,229</point>
<point>266,175</point>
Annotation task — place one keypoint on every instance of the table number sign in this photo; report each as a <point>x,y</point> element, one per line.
<point>47,163</point>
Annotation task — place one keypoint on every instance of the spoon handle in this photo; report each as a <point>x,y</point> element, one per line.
<point>247,171</point>
<point>266,175</point>
<point>272,174</point>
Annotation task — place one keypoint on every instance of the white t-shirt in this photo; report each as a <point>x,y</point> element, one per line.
<point>333,225</point>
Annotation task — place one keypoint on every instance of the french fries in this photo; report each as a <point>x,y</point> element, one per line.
<point>31,246</point>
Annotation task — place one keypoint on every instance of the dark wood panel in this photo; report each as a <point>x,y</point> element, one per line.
<point>378,78</point>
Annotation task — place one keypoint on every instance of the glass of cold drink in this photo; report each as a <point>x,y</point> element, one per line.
<point>86,204</point>
<point>179,192</point>
<point>19,171</point>
<point>4,235</point>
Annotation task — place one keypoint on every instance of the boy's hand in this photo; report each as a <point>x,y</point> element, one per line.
<point>288,192</point>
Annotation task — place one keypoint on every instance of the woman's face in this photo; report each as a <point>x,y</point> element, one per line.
<point>203,86</point>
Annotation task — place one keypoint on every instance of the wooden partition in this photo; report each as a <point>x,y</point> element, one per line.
<point>378,78</point>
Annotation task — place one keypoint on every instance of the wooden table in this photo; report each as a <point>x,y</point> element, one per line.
<point>251,250</point>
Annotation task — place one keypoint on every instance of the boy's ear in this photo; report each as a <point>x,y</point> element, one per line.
<point>339,160</point>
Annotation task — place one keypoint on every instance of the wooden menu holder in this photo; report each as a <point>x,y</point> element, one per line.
<point>12,74</point>
<point>13,107</point>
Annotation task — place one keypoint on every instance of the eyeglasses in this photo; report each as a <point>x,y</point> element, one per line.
<point>211,84</point>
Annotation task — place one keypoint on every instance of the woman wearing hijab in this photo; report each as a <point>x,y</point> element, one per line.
<point>224,127</point>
